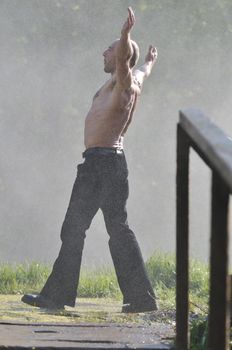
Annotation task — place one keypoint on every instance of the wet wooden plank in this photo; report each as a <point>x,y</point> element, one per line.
<point>92,324</point>
<point>86,336</point>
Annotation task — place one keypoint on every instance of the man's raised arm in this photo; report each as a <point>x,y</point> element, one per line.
<point>145,70</point>
<point>125,52</point>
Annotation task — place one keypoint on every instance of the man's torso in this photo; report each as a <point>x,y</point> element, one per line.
<point>110,115</point>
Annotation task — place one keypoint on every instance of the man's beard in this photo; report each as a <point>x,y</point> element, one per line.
<point>107,69</point>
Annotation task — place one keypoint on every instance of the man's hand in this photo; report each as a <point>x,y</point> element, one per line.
<point>145,70</point>
<point>152,55</point>
<point>129,22</point>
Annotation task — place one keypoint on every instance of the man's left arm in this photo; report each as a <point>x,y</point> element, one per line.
<point>124,53</point>
<point>144,71</point>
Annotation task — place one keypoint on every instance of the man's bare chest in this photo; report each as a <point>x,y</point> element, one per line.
<point>110,96</point>
<point>105,90</point>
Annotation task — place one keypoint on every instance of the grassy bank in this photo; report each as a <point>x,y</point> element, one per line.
<point>102,282</point>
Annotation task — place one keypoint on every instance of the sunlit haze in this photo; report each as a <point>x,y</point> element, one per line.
<point>51,65</point>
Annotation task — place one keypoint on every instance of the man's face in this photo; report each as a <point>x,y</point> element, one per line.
<point>110,58</point>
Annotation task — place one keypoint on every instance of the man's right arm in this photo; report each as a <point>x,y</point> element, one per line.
<point>124,53</point>
<point>144,71</point>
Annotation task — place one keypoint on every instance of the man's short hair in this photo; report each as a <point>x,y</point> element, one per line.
<point>135,56</point>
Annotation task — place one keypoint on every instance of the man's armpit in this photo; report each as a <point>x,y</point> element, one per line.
<point>138,77</point>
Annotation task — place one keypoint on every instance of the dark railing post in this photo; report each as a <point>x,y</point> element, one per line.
<point>219,313</point>
<point>182,240</point>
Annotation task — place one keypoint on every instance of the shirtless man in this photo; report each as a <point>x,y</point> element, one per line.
<point>102,183</point>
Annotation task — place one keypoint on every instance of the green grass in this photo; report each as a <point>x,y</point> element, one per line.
<point>102,282</point>
<point>198,336</point>
<point>161,268</point>
<point>162,271</point>
<point>17,279</point>
<point>30,277</point>
<point>98,283</point>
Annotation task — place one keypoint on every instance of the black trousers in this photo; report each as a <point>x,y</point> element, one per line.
<point>101,182</point>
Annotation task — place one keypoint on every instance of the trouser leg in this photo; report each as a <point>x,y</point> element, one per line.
<point>61,285</point>
<point>127,258</point>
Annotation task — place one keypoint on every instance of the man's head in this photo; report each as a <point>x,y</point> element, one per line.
<point>110,56</point>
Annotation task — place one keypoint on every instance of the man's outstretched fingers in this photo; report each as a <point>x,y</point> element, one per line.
<point>131,15</point>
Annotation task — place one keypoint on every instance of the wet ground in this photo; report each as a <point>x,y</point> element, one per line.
<point>92,324</point>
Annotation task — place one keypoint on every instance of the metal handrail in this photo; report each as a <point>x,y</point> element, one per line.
<point>215,148</point>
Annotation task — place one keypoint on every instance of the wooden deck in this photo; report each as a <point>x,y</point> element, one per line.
<point>85,336</point>
<point>92,324</point>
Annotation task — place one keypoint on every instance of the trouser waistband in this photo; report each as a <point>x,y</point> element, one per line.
<point>102,151</point>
